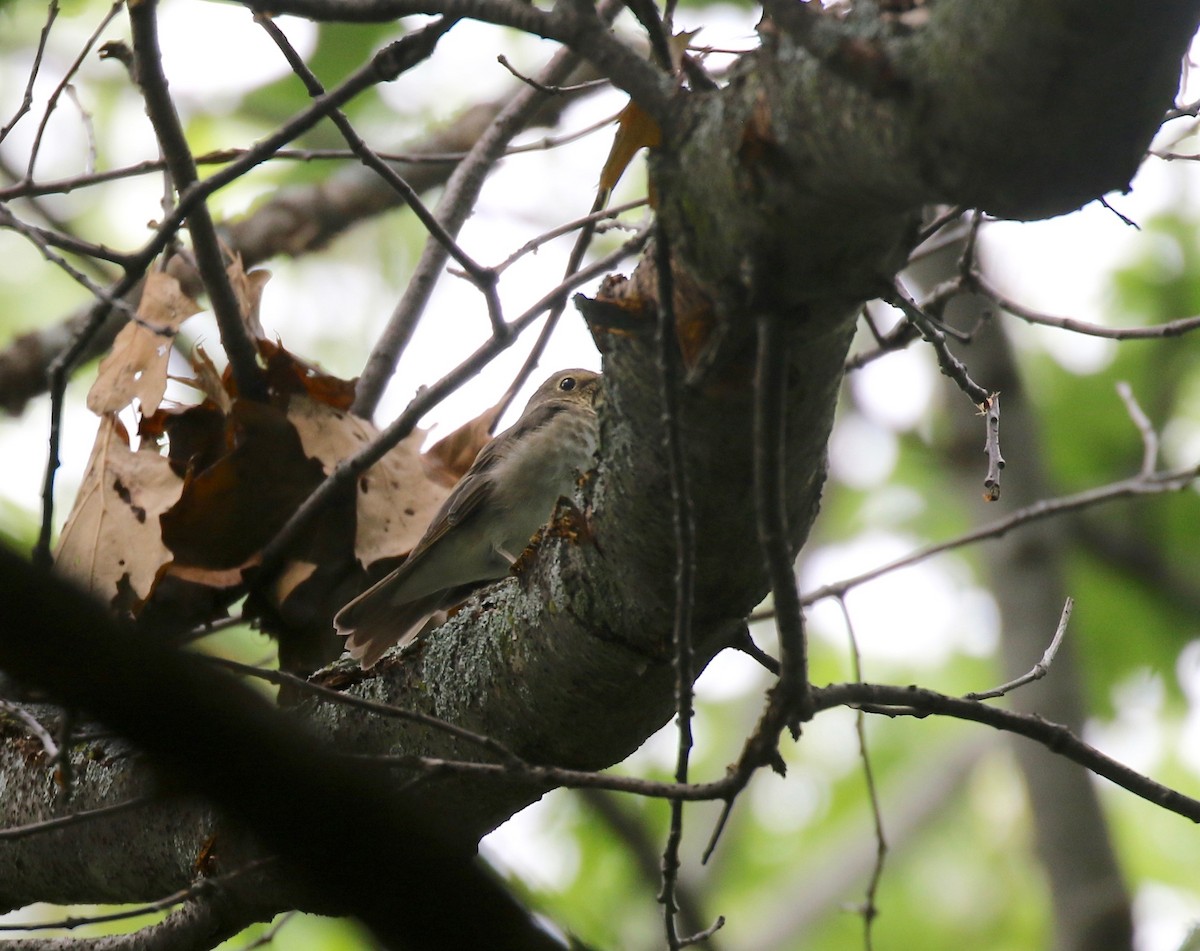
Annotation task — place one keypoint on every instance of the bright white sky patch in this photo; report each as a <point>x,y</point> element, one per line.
<point>897,390</point>
<point>920,615</point>
<point>862,454</point>
<point>213,52</point>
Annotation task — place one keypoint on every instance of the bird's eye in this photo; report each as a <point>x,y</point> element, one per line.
<point>566,384</point>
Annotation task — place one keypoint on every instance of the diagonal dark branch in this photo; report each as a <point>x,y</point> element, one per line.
<point>273,777</point>
<point>770,479</point>
<point>576,26</point>
<point>235,338</point>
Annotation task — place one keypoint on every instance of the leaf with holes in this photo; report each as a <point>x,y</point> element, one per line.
<point>136,367</point>
<point>111,538</point>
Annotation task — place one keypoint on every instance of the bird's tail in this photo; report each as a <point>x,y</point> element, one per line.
<point>372,623</point>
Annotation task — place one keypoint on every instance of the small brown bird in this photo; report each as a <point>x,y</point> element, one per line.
<point>486,522</point>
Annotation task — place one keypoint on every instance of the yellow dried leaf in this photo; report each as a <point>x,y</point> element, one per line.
<point>136,367</point>
<point>635,130</point>
<point>112,532</point>
<point>395,500</point>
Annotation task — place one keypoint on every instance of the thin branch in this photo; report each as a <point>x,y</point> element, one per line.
<point>482,277</point>
<point>52,11</point>
<point>589,219</point>
<point>329,695</point>
<point>551,90</point>
<point>770,401</point>
<point>1040,669</point>
<point>919,702</point>
<point>870,910</point>
<point>990,411</point>
<point>458,199</point>
<point>200,888</point>
<point>701,936</point>
<point>1172,328</point>
<point>44,238</point>
<point>235,337</point>
<point>951,366</point>
<point>34,726</point>
<point>52,102</point>
<point>884,699</point>
<point>1144,427</point>
<point>1171,481</point>
<point>269,936</point>
<point>670,367</point>
<point>579,249</point>
<point>75,818</point>
<point>62,186</point>
<point>579,27</point>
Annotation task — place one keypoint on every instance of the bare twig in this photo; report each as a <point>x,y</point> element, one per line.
<point>1040,669</point>
<point>459,197</point>
<point>578,26</point>
<point>870,910</point>
<point>482,277</point>
<point>204,886</point>
<point>702,936</point>
<point>62,186</point>
<point>235,338</point>
<point>990,411</point>
<point>770,400</point>
<point>885,699</point>
<point>329,695</point>
<point>75,818</point>
<point>683,519</point>
<point>1172,328</point>
<point>591,218</point>
<point>268,937</point>
<point>950,365</point>
<point>52,11</point>
<point>52,102</point>
<point>1171,481</point>
<point>551,90</point>
<point>34,726</point>
<point>583,241</point>
<point>1144,427</point>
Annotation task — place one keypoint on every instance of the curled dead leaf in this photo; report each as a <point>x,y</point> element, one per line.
<point>448,459</point>
<point>136,366</point>
<point>395,499</point>
<point>111,538</point>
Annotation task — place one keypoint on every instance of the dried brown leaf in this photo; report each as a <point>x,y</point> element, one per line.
<point>229,510</point>
<point>112,532</point>
<point>635,130</point>
<point>136,367</point>
<point>395,498</point>
<point>448,459</point>
<point>208,379</point>
<point>248,287</point>
<point>287,373</point>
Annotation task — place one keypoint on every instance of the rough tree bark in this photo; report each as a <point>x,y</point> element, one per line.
<point>794,192</point>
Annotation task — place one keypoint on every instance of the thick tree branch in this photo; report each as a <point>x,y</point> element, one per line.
<point>273,778</point>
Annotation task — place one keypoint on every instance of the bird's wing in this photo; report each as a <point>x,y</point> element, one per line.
<point>474,489</point>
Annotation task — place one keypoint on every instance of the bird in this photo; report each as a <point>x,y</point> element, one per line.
<point>506,495</point>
